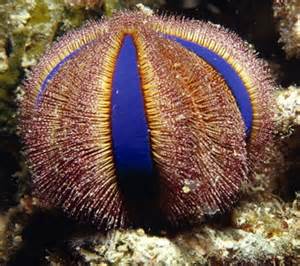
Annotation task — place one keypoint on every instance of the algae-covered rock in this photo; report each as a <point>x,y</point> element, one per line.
<point>111,6</point>
<point>262,229</point>
<point>288,13</point>
<point>85,3</point>
<point>131,247</point>
<point>288,104</point>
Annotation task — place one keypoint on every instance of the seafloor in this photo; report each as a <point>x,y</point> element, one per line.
<point>263,228</point>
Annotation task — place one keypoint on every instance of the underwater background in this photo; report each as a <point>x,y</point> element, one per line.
<point>264,225</point>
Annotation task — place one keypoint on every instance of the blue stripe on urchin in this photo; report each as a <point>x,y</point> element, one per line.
<point>230,76</point>
<point>52,74</point>
<point>55,70</point>
<point>130,136</point>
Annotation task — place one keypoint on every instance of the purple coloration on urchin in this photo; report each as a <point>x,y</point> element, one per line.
<point>145,120</point>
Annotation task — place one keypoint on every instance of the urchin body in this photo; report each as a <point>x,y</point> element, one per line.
<point>142,120</point>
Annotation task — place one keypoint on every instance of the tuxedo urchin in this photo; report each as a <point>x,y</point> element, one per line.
<point>142,120</point>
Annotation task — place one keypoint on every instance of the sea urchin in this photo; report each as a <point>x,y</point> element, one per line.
<point>145,120</point>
